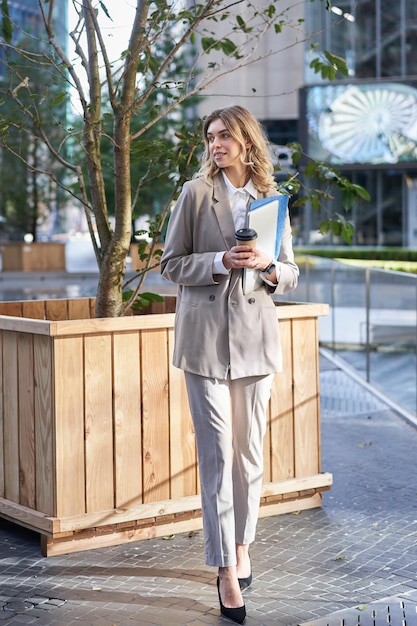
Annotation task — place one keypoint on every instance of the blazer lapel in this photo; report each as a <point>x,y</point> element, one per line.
<point>223,211</point>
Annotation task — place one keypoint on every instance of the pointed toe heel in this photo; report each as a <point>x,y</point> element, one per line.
<point>244,583</point>
<point>237,614</point>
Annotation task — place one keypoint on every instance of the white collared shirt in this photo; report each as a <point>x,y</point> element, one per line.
<point>238,199</point>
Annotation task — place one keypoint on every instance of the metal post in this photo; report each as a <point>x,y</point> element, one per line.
<point>367,321</point>
<point>332,304</point>
<point>308,261</point>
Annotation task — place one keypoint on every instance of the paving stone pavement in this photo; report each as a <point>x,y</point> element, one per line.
<point>322,567</point>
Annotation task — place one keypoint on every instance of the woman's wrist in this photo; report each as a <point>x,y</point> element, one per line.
<point>269,268</point>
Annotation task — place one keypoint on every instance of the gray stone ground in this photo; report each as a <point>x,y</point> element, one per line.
<point>312,568</point>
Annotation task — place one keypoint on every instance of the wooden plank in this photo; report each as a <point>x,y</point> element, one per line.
<point>34,309</point>
<point>135,513</point>
<point>25,325</point>
<point>89,540</point>
<point>56,309</point>
<point>155,415</point>
<point>44,424</point>
<point>117,536</point>
<point>306,397</point>
<point>129,516</point>
<point>294,310</point>
<point>127,420</point>
<point>11,308</point>
<point>170,304</point>
<point>98,423</point>
<point>22,515</point>
<point>69,426</point>
<point>79,308</point>
<point>314,481</point>
<point>26,420</point>
<point>167,320</point>
<point>102,325</point>
<point>183,453</point>
<point>179,505</point>
<point>282,415</point>
<point>289,506</point>
<point>11,424</point>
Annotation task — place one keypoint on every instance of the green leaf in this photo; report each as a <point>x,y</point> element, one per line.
<point>315,202</point>
<point>208,43</point>
<point>348,231</point>
<point>311,169</point>
<point>104,8</point>
<point>60,97</point>
<point>271,10</point>
<point>348,199</point>
<point>324,227</point>
<point>361,191</point>
<point>336,228</point>
<point>338,63</point>
<point>143,299</point>
<point>241,22</point>
<point>228,46</point>
<point>6,23</point>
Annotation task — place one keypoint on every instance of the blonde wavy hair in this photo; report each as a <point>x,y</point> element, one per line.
<point>245,128</point>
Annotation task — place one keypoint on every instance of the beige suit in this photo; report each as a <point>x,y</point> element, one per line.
<point>228,345</point>
<point>219,330</point>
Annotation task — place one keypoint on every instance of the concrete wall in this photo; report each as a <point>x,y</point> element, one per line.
<point>276,78</point>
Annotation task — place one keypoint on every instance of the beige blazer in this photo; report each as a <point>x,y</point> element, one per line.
<point>219,331</point>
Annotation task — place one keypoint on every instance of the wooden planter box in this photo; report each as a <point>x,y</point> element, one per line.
<point>135,261</point>
<point>96,442</point>
<point>33,257</point>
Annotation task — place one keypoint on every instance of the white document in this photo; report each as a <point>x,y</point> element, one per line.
<point>267,217</point>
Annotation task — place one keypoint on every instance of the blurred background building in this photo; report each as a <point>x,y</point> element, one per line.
<point>30,205</point>
<point>365,125</point>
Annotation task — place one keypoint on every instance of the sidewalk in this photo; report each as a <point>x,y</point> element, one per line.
<point>311,568</point>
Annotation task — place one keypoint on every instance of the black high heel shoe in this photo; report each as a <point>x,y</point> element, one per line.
<point>237,614</point>
<point>244,583</point>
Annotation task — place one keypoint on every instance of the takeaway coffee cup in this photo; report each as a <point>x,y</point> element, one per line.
<point>246,237</point>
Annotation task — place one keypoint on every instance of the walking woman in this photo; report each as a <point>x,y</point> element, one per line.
<point>226,342</point>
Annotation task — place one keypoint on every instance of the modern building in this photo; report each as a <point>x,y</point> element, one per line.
<point>26,18</point>
<point>268,87</point>
<point>23,193</point>
<point>365,125</point>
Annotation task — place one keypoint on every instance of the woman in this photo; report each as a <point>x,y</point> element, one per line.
<point>226,342</point>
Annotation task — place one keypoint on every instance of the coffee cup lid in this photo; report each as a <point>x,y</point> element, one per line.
<point>246,234</point>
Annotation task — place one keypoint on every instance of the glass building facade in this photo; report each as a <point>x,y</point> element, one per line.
<point>366,124</point>
<point>23,192</point>
<point>26,18</point>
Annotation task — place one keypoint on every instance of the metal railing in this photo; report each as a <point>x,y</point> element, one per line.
<point>372,322</point>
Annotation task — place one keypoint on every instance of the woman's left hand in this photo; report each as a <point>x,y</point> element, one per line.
<point>245,256</point>
<point>258,260</point>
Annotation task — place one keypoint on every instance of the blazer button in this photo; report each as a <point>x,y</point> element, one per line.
<point>212,298</point>
<point>251,300</point>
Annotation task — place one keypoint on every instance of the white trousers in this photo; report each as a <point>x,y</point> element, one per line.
<point>229,419</point>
